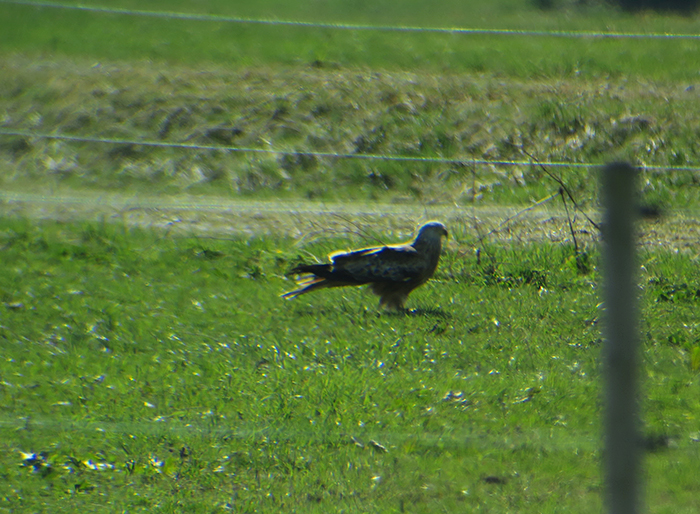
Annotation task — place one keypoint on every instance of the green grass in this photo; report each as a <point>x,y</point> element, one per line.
<point>102,36</point>
<point>155,373</point>
<point>147,371</point>
<point>303,90</point>
<point>303,110</point>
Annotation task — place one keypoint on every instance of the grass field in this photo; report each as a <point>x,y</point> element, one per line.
<point>304,111</point>
<point>118,36</point>
<point>413,95</point>
<point>148,372</point>
<point>147,363</point>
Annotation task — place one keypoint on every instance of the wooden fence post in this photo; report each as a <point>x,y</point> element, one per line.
<point>621,341</point>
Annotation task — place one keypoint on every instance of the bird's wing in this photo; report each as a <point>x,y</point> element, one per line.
<point>385,264</point>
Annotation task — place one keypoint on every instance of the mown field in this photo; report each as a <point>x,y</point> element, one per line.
<point>159,176</point>
<point>303,121</point>
<point>168,130</point>
<point>145,372</point>
<point>42,30</point>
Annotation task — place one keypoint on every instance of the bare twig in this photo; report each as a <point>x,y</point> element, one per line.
<point>571,225</point>
<point>564,190</point>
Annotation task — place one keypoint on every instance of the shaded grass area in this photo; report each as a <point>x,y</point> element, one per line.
<point>154,373</point>
<point>306,110</point>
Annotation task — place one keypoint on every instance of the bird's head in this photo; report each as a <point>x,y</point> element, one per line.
<point>433,230</point>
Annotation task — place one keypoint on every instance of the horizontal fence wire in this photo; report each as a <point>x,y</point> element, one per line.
<point>462,161</point>
<point>350,26</point>
<point>324,25</point>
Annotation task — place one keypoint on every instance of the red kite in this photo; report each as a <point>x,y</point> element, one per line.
<point>392,271</point>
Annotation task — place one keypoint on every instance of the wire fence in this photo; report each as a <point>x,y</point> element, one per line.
<point>530,161</point>
<point>465,160</point>
<point>349,26</point>
<point>334,155</point>
<point>571,223</point>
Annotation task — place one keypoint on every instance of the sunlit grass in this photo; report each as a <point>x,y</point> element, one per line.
<point>304,90</point>
<point>316,113</point>
<point>146,371</point>
<point>103,36</point>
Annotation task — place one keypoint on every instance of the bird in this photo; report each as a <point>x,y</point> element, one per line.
<point>392,271</point>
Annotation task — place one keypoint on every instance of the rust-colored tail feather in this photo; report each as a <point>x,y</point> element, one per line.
<point>320,276</point>
<point>317,279</point>
<point>312,284</point>
<point>319,270</point>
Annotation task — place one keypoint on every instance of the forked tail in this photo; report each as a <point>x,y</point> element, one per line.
<point>317,280</point>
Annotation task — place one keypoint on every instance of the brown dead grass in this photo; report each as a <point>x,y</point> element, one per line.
<point>322,108</point>
<point>307,221</point>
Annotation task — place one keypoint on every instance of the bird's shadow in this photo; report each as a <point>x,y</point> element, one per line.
<point>421,312</point>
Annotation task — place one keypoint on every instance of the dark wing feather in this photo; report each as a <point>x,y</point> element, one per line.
<point>328,272</point>
<point>386,264</point>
